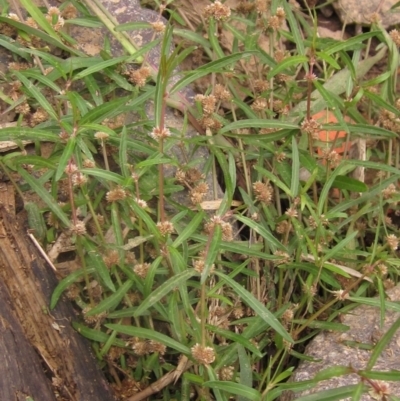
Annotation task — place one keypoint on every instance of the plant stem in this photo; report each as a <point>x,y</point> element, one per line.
<point>80,252</point>
<point>161,205</point>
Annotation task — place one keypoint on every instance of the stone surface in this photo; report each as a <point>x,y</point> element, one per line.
<point>359,11</point>
<point>331,349</point>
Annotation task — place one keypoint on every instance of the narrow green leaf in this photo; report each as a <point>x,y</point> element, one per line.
<point>154,161</point>
<point>88,22</point>
<point>189,229</point>
<point>195,379</point>
<point>283,170</point>
<point>285,64</point>
<point>121,81</point>
<point>92,86</point>
<point>246,109</point>
<point>381,102</point>
<point>333,371</point>
<point>232,178</point>
<point>71,64</point>
<point>387,375</point>
<point>180,263</point>
<point>105,175</point>
<point>105,110</point>
<point>395,306</point>
<point>111,301</point>
<point>149,280</point>
<point>39,17</point>
<point>177,320</point>
<point>236,338</point>
<point>150,335</point>
<point>256,305</point>
<point>376,80</point>
<point>161,84</point>
<point>376,166</point>
<point>117,229</point>
<point>213,66</point>
<point>123,155</point>
<point>274,179</point>
<point>101,66</point>
<point>35,220</point>
<point>393,62</point>
<point>337,84</point>
<point>53,40</point>
<point>264,138</point>
<point>192,37</point>
<point>343,168</point>
<point>14,47</point>
<point>325,276</point>
<point>383,343</point>
<point>334,394</point>
<point>214,39</point>
<point>321,325</point>
<point>239,247</point>
<point>96,260</point>
<point>372,194</point>
<point>27,134</point>
<point>235,388</point>
<point>298,36</point>
<point>212,375</point>
<point>78,104</point>
<point>246,372</point>
<point>294,186</point>
<point>54,61</point>
<point>42,79</point>
<point>165,288</point>
<point>348,183</point>
<point>358,392</point>
<point>352,43</point>
<point>122,313</point>
<point>131,26</point>
<point>357,345</point>
<point>45,196</point>
<point>229,184</point>
<point>107,345</point>
<point>257,123</point>
<point>65,283</point>
<point>362,130</point>
<point>150,225</point>
<point>35,92</point>
<point>238,35</point>
<point>333,253</point>
<point>65,157</point>
<point>97,127</point>
<point>334,103</point>
<point>272,241</point>
<point>96,335</point>
<point>328,59</point>
<point>284,375</point>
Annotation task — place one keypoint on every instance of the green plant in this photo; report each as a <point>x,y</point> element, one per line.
<point>173,296</point>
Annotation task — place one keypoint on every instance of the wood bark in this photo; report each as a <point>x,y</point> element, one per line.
<point>43,356</point>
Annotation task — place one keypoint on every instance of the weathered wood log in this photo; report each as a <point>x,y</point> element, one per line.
<point>21,373</point>
<point>43,355</point>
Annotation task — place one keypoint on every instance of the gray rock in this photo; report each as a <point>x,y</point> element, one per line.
<point>359,11</point>
<point>330,349</point>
